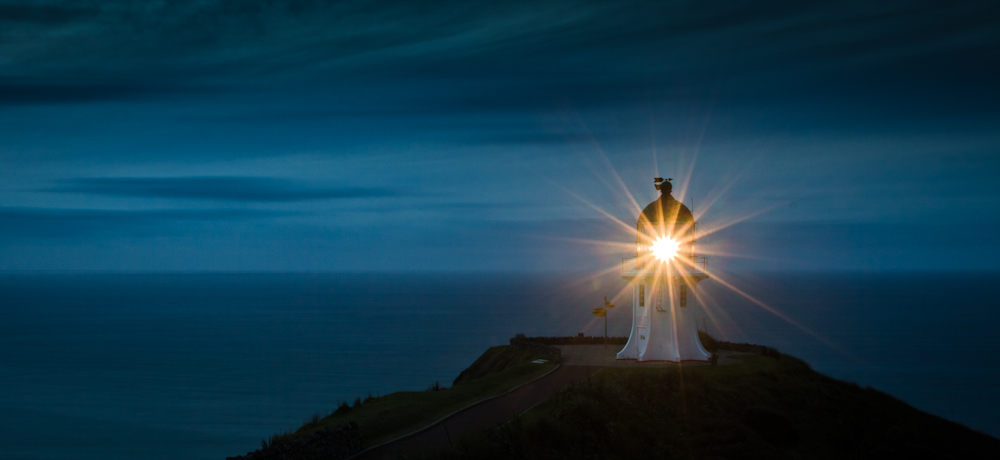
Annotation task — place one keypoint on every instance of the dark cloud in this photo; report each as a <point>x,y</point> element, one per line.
<point>294,116</point>
<point>72,223</point>
<point>20,92</point>
<point>249,189</point>
<point>740,46</point>
<point>44,14</point>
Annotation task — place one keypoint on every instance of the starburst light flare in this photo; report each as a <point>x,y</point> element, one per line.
<point>665,248</point>
<point>659,243</point>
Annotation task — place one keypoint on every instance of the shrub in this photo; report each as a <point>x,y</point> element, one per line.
<point>342,408</point>
<point>274,439</point>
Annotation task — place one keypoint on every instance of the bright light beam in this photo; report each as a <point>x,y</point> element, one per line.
<point>777,313</point>
<point>665,248</point>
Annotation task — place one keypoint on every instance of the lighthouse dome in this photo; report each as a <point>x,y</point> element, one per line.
<point>666,210</point>
<point>665,219</point>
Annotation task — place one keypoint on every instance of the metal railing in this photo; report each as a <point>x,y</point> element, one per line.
<point>628,262</point>
<point>700,264</point>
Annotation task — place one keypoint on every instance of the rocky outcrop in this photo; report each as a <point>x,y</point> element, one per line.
<point>713,345</point>
<point>536,347</point>
<point>493,361</point>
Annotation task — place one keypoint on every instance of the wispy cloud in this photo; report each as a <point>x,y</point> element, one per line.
<point>248,189</point>
<point>67,223</point>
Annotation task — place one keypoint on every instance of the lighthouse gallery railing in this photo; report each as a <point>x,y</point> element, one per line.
<point>698,262</point>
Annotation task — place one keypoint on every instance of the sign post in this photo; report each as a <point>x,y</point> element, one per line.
<point>599,312</point>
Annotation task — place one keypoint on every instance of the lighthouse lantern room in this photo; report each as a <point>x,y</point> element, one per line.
<point>664,275</point>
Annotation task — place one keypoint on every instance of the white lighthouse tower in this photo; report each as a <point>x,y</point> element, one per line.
<point>664,275</point>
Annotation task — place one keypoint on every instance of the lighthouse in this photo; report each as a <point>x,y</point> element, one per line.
<point>664,275</point>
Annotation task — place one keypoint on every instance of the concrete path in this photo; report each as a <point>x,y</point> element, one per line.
<point>578,362</point>
<point>482,415</point>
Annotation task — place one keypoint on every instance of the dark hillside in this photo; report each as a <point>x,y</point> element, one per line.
<point>770,406</point>
<point>379,419</point>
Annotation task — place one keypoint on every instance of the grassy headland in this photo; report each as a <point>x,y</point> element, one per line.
<point>769,406</point>
<point>387,417</point>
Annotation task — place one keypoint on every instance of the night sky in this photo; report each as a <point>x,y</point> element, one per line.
<point>360,135</point>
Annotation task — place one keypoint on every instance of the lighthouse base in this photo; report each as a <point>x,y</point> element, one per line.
<point>663,326</point>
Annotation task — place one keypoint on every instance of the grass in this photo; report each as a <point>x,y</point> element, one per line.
<point>766,407</point>
<point>387,417</point>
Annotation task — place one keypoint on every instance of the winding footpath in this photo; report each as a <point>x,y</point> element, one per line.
<point>578,362</point>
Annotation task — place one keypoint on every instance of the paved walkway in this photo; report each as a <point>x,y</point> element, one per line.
<point>578,362</point>
<point>482,415</point>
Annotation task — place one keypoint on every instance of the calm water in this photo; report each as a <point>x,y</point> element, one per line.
<point>204,366</point>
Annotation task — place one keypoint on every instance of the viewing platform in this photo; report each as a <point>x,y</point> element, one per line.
<point>687,266</point>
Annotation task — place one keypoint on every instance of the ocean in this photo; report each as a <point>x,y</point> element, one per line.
<point>203,366</point>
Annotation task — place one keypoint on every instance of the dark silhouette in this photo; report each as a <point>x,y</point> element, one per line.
<point>666,209</point>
